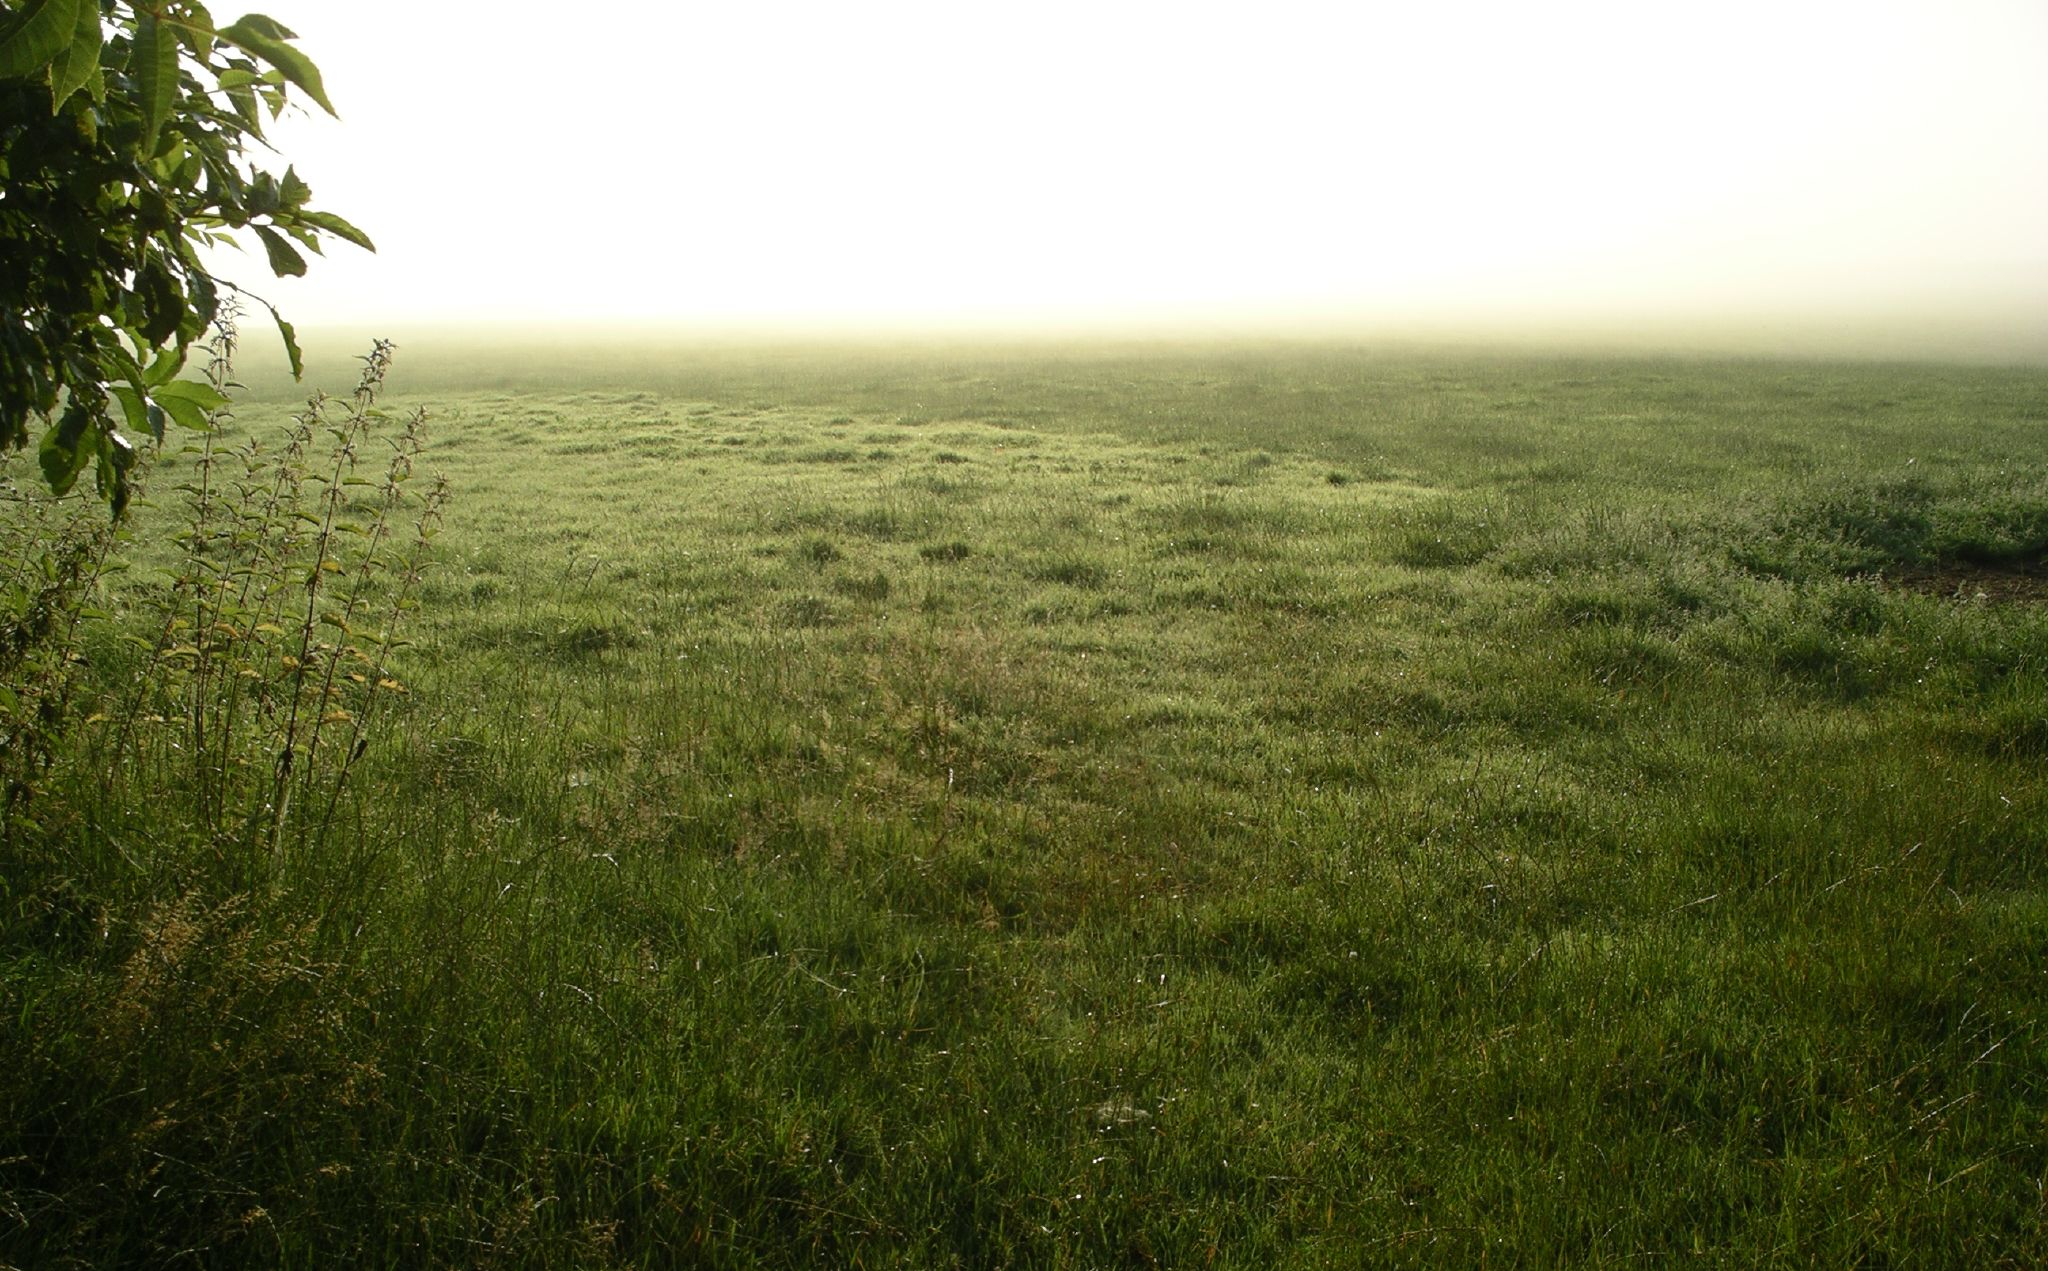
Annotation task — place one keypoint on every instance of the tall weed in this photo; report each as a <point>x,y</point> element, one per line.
<point>265,659</point>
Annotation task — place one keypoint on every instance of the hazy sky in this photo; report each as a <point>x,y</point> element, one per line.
<point>924,163</point>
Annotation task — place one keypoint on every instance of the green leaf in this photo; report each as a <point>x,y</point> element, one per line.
<point>183,411</point>
<point>195,29</point>
<point>205,396</point>
<point>116,456</point>
<point>339,228</point>
<point>79,64</point>
<point>292,192</point>
<point>291,344</point>
<point>154,212</point>
<point>116,362</point>
<point>163,304</point>
<point>202,304</point>
<point>247,109</point>
<point>253,33</point>
<point>154,62</point>
<point>263,198</point>
<point>132,408</point>
<point>166,366</point>
<point>46,28</point>
<point>284,258</point>
<point>264,25</point>
<point>63,451</point>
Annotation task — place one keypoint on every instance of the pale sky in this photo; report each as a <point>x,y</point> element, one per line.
<point>926,164</point>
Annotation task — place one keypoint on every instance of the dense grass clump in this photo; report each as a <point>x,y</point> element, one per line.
<point>1257,808</point>
<point>1909,527</point>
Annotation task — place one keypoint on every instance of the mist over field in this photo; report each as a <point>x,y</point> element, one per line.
<point>1997,330</point>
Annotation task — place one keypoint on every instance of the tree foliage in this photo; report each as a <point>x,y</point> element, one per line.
<point>129,134</point>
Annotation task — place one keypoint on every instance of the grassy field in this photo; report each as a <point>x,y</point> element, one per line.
<point>1239,807</point>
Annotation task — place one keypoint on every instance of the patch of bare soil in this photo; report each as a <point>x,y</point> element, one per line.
<point>2017,582</point>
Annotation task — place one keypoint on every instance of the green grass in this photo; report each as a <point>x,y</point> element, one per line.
<point>1232,807</point>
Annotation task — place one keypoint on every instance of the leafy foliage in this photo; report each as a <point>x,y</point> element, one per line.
<point>125,131</point>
